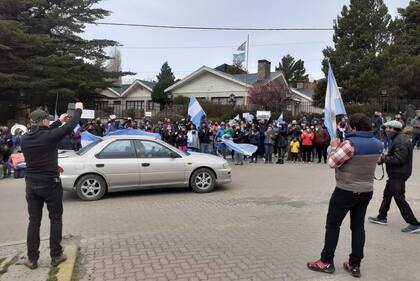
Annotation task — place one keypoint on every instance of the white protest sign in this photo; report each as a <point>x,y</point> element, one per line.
<point>263,115</point>
<point>245,115</point>
<point>148,114</point>
<point>88,114</point>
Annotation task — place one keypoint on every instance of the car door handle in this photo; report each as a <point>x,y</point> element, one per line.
<point>145,164</point>
<point>100,165</point>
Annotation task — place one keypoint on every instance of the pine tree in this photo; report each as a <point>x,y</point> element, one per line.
<point>361,34</point>
<point>293,71</point>
<point>401,59</point>
<point>165,79</point>
<point>166,73</point>
<point>42,54</point>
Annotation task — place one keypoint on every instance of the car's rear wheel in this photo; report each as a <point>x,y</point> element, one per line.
<point>203,180</point>
<point>90,187</point>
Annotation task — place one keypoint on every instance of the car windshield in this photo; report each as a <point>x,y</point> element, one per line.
<point>85,149</point>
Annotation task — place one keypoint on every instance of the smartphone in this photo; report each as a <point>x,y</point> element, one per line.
<point>71,108</point>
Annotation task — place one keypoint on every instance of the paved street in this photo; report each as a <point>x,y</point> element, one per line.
<point>265,225</point>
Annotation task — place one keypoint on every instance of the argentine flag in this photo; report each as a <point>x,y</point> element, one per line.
<point>87,138</point>
<point>280,119</point>
<point>333,104</point>
<point>195,111</point>
<point>133,132</point>
<point>243,148</point>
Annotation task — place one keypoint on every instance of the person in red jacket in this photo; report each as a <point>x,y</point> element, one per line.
<point>307,139</point>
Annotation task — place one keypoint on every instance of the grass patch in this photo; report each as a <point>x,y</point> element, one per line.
<point>52,274</point>
<point>2,260</point>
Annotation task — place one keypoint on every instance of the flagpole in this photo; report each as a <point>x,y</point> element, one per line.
<point>56,103</point>
<point>247,54</point>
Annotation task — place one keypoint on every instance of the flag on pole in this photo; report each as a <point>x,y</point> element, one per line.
<point>280,119</point>
<point>242,47</point>
<point>239,57</point>
<point>333,104</point>
<point>195,111</point>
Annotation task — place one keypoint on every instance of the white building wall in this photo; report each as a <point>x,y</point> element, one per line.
<point>209,85</point>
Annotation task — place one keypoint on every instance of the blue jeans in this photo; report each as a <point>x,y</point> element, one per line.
<point>221,149</point>
<point>205,148</point>
<point>268,152</point>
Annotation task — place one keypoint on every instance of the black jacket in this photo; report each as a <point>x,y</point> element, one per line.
<point>399,160</point>
<point>205,135</point>
<point>40,147</point>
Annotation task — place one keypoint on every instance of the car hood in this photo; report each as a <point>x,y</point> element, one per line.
<point>206,157</point>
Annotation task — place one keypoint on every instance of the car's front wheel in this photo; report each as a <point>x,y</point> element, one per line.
<point>203,180</point>
<point>90,187</point>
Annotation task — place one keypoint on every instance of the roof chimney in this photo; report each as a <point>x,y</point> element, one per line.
<point>264,70</point>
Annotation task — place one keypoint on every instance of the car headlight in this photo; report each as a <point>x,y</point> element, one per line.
<point>226,165</point>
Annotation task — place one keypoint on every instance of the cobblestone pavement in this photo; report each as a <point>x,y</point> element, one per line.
<point>265,225</point>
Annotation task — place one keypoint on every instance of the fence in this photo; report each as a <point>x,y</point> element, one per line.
<point>122,110</point>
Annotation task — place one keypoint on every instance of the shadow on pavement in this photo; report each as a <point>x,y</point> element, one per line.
<point>71,196</point>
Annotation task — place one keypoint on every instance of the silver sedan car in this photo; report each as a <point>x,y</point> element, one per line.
<point>117,163</point>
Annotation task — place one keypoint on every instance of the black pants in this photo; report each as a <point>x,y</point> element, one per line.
<point>321,152</point>
<point>341,203</point>
<point>306,153</point>
<point>281,153</point>
<point>49,191</point>
<point>396,188</point>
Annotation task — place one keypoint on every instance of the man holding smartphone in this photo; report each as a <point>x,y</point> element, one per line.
<point>43,183</point>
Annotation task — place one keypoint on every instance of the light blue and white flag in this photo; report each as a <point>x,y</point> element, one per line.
<point>133,132</point>
<point>243,148</point>
<point>87,138</point>
<point>76,128</point>
<point>239,57</point>
<point>195,111</point>
<point>242,47</point>
<point>333,104</point>
<point>280,119</point>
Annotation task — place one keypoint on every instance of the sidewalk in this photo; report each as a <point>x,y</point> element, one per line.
<point>13,254</point>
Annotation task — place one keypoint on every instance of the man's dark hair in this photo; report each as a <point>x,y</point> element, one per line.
<point>360,122</point>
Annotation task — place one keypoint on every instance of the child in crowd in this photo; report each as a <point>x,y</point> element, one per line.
<point>294,149</point>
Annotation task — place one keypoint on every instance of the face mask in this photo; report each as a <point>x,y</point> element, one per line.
<point>390,133</point>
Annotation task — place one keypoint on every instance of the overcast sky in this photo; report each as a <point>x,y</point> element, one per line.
<point>145,49</point>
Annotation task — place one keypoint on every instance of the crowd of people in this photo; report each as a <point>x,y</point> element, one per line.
<point>304,140</point>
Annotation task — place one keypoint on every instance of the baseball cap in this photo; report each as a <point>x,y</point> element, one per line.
<point>393,124</point>
<point>39,115</point>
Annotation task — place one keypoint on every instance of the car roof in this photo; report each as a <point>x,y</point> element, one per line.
<point>134,137</point>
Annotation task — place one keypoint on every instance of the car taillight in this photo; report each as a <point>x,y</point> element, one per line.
<point>60,170</point>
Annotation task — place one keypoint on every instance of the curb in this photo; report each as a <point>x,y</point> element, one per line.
<point>65,272</point>
<point>5,264</point>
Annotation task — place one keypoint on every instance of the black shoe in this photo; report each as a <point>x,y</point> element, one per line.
<point>378,220</point>
<point>353,270</point>
<point>57,260</point>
